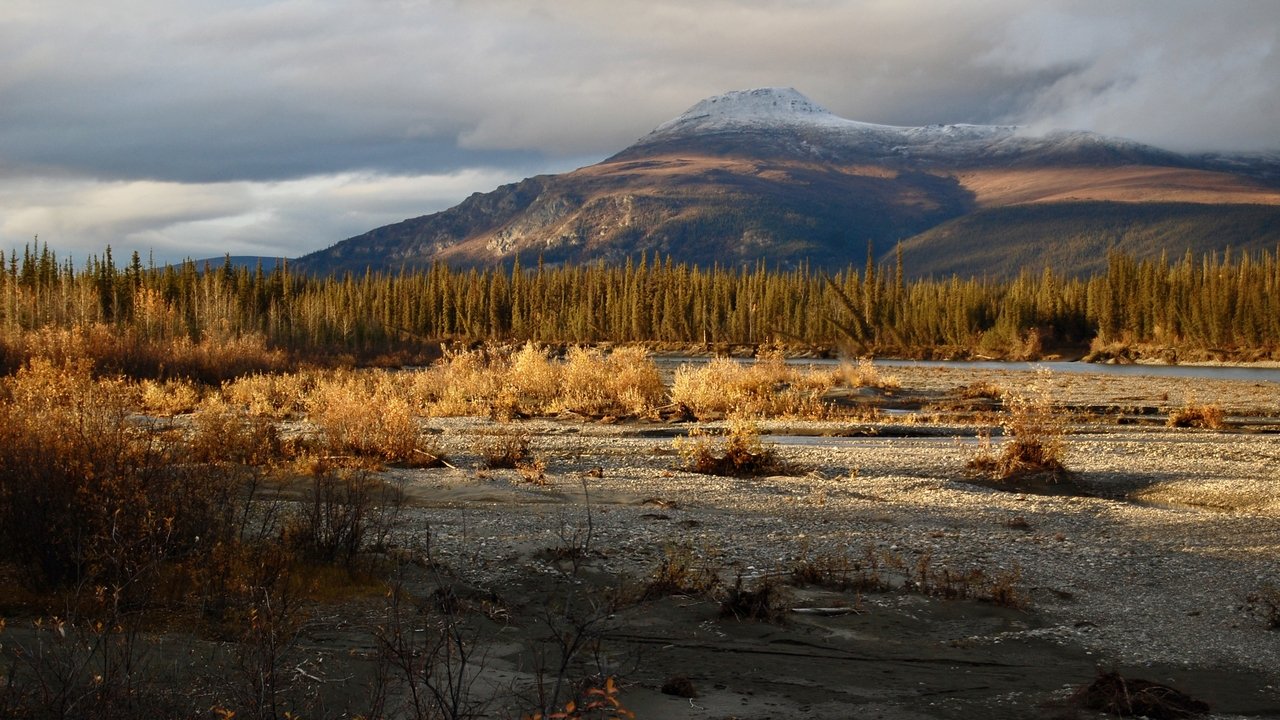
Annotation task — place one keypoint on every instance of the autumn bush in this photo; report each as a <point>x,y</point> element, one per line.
<point>531,385</point>
<point>623,382</point>
<point>865,374</point>
<point>767,387</point>
<point>222,433</point>
<point>169,397</point>
<point>219,353</point>
<point>1035,436</point>
<point>114,523</point>
<point>736,453</point>
<point>463,382</point>
<point>86,496</point>
<point>273,395</point>
<point>504,383</point>
<point>1209,417</point>
<point>366,414</point>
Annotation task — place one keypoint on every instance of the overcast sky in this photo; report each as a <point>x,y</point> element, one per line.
<point>264,127</point>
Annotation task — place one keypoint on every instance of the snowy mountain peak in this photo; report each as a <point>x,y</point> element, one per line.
<point>752,108</point>
<point>784,121</point>
<point>773,110</point>
<point>778,103</point>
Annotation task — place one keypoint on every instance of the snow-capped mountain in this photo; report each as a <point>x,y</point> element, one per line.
<point>769,174</point>
<point>759,108</point>
<point>769,109</point>
<point>782,120</point>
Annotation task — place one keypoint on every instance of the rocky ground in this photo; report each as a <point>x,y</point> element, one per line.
<point>1155,559</point>
<point>869,574</point>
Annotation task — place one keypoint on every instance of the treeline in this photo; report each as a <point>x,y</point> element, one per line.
<point>1216,303</point>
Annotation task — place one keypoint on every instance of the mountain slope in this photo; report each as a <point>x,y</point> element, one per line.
<point>768,174</point>
<point>1077,237</point>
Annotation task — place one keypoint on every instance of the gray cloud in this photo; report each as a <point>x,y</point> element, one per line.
<point>1180,74</point>
<point>190,102</point>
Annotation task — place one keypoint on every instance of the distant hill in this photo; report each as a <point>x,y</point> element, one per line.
<point>769,175</point>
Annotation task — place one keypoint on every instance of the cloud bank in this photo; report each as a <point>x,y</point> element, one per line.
<point>194,127</point>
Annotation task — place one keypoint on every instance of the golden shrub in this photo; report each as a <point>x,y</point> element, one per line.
<point>769,387</point>
<point>1209,417</point>
<point>365,414</point>
<point>1036,435</point>
<point>622,382</point>
<point>464,382</point>
<point>532,382</point>
<point>275,395</point>
<point>865,374</point>
<point>169,397</point>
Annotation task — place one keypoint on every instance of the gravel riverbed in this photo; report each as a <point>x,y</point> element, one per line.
<point>1156,559</point>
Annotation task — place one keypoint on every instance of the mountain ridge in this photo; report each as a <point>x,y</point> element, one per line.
<point>769,174</point>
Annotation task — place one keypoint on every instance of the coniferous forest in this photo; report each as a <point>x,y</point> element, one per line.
<point>1212,306</point>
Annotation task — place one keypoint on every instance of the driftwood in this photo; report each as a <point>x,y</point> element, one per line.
<point>1132,697</point>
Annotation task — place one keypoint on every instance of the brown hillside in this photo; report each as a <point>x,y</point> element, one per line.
<point>1142,183</point>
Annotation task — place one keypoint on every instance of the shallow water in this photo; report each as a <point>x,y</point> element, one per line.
<point>1271,375</point>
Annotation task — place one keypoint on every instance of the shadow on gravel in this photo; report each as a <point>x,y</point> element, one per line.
<point>1061,484</point>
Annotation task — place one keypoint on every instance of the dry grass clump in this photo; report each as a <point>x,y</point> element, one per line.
<point>738,453</point>
<point>865,374</point>
<point>624,382</point>
<point>769,387</point>
<point>680,573</point>
<point>169,397</point>
<point>767,601</point>
<point>274,395</point>
<point>1035,433</point>
<point>1001,588</point>
<point>883,571</point>
<point>1209,417</point>
<point>534,471</point>
<point>981,390</point>
<point>504,450</point>
<point>839,571</point>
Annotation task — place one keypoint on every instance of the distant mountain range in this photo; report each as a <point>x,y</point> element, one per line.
<point>769,175</point>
